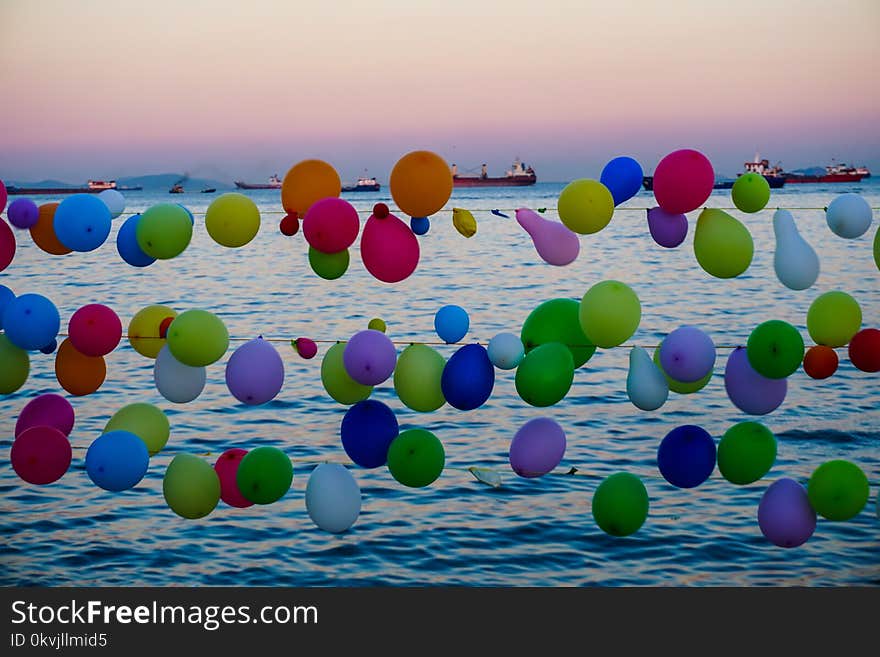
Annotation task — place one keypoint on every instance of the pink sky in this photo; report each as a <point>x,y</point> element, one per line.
<point>107,89</point>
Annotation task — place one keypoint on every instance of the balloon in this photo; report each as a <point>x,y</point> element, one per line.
<point>197,338</point>
<point>41,455</point>
<point>145,421</point>
<point>82,222</point>
<point>838,490</point>
<point>117,460</point>
<point>377,324</point>
<point>686,456</point>
<point>537,448</point>
<point>6,295</point>
<point>232,220</point>
<point>329,266</point>
<point>468,378</point>
<point>114,201</point>
<point>723,245</point>
<point>785,515</point>
<point>95,330</point>
<point>23,213</point>
<point>416,458</point>
<point>610,313</point>
<point>367,430</point>
<point>451,323</point>
<point>746,453</point>
<point>307,182</point>
<point>43,232</point>
<point>749,391</point>
<point>506,351</point>
<point>877,248</point>
<point>164,231</point>
<point>255,373</point>
<point>849,216</point>
<point>681,387</point>
<point>554,242</point>
<point>585,206</point>
<point>646,385</point>
<point>464,222</point>
<point>331,225</point>
<point>176,382</point>
<point>289,225</point>
<point>369,357</point>
<point>144,333</point>
<point>338,384</point>
<point>623,178</point>
<point>864,350</point>
<point>417,378</point>
<point>226,468</point>
<point>77,373</point>
<point>620,504</point>
<point>47,410</point>
<point>49,348</point>
<point>3,196</point>
<point>795,261</point>
<point>7,245</point>
<point>558,320</point>
<point>545,375</point>
<point>15,365</point>
<point>833,319</point>
<point>264,475</point>
<point>775,349</point>
<point>683,181</point>
<point>750,192</point>
<point>306,348</point>
<point>31,321</point>
<point>420,225</point>
<point>687,354</point>
<point>333,498</point>
<point>421,183</point>
<point>191,487</point>
<point>820,362</point>
<point>668,230</point>
<point>127,244</point>
<point>389,248</point>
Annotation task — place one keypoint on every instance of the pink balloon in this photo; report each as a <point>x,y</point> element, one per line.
<point>305,347</point>
<point>255,372</point>
<point>226,468</point>
<point>683,181</point>
<point>41,455</point>
<point>3,196</point>
<point>95,330</point>
<point>369,357</point>
<point>7,245</point>
<point>668,230</point>
<point>389,248</point>
<point>537,447</point>
<point>554,242</point>
<point>49,410</point>
<point>331,225</point>
<point>749,391</point>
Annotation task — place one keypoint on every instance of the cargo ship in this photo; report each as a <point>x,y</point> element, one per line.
<point>274,183</point>
<point>92,187</point>
<point>774,176</point>
<point>363,185</point>
<point>834,173</point>
<point>519,175</point>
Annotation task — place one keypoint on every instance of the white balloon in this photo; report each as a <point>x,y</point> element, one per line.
<point>646,386</point>
<point>795,261</point>
<point>849,216</point>
<point>506,351</point>
<point>333,498</point>
<point>114,201</point>
<point>175,381</point>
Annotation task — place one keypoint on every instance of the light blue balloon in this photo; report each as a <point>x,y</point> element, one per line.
<point>82,222</point>
<point>117,460</point>
<point>31,321</point>
<point>451,323</point>
<point>127,244</point>
<point>6,296</point>
<point>506,351</point>
<point>623,177</point>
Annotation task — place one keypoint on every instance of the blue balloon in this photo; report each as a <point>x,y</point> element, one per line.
<point>127,244</point>
<point>451,323</point>
<point>117,460</point>
<point>50,348</point>
<point>367,431</point>
<point>419,225</point>
<point>6,297</point>
<point>191,217</point>
<point>623,178</point>
<point>468,378</point>
<point>686,456</point>
<point>31,321</point>
<point>82,222</point>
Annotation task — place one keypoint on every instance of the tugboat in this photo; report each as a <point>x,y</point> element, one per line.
<point>177,188</point>
<point>519,175</point>
<point>363,184</point>
<point>274,183</point>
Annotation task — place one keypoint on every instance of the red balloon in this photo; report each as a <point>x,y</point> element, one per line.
<point>331,225</point>
<point>3,196</point>
<point>683,181</point>
<point>48,410</point>
<point>41,455</point>
<point>226,468</point>
<point>864,350</point>
<point>820,362</point>
<point>7,245</point>
<point>95,330</point>
<point>305,347</point>
<point>290,225</point>
<point>389,248</point>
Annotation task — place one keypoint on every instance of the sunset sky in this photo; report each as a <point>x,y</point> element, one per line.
<point>222,89</point>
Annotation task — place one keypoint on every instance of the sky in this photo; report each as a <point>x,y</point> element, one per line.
<point>241,90</point>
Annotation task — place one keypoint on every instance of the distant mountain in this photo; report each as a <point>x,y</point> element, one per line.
<point>164,181</point>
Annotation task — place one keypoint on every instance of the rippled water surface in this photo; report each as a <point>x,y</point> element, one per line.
<point>458,531</point>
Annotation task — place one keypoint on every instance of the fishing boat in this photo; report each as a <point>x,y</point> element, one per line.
<point>91,187</point>
<point>209,190</point>
<point>519,175</point>
<point>363,184</point>
<point>274,183</point>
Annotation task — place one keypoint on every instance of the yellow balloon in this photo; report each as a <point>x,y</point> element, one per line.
<point>421,183</point>
<point>307,182</point>
<point>232,220</point>
<point>464,222</point>
<point>722,244</point>
<point>585,206</point>
<point>143,330</point>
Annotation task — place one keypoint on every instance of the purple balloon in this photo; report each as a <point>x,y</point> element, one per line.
<point>668,230</point>
<point>23,213</point>
<point>785,515</point>
<point>687,354</point>
<point>749,391</point>
<point>537,447</point>
<point>49,410</point>
<point>255,373</point>
<point>369,357</point>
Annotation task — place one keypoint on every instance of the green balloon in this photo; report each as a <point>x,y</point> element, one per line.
<point>417,378</point>
<point>197,338</point>
<point>329,266</point>
<point>164,231</point>
<point>620,504</point>
<point>416,458</point>
<point>750,192</point>
<point>775,349</point>
<point>191,486</point>
<point>723,245</point>
<point>833,319</point>
<point>746,453</point>
<point>264,475</point>
<point>558,320</point>
<point>145,421</point>
<point>838,490</point>
<point>377,325</point>
<point>609,313</point>
<point>682,387</point>
<point>338,384</point>
<point>545,374</point>
<point>877,248</point>
<point>15,365</point>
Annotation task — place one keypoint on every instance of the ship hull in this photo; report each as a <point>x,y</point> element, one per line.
<point>244,185</point>
<point>507,181</point>
<point>50,191</point>
<point>362,188</point>
<point>775,182</point>
<point>831,178</point>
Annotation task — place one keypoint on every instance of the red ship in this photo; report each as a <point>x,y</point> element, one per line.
<point>519,175</point>
<point>836,173</point>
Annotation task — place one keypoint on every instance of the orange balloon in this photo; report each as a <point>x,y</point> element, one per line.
<point>421,183</point>
<point>78,374</point>
<point>307,182</point>
<point>820,362</point>
<point>43,232</point>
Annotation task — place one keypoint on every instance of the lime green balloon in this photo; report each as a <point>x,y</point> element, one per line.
<point>833,319</point>
<point>15,365</point>
<point>197,338</point>
<point>191,486</point>
<point>610,313</point>
<point>682,387</point>
<point>145,421</point>
<point>620,504</point>
<point>232,220</point>
<point>338,384</point>
<point>377,324</point>
<point>775,349</point>
<point>329,266</point>
<point>746,453</point>
<point>558,320</point>
<point>417,378</point>
<point>722,244</point>
<point>585,206</point>
<point>545,374</point>
<point>264,475</point>
<point>838,490</point>
<point>416,458</point>
<point>877,248</point>
<point>164,231</point>
<point>750,192</point>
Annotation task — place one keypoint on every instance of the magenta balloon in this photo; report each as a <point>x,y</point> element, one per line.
<point>537,447</point>
<point>226,468</point>
<point>95,330</point>
<point>41,455</point>
<point>785,515</point>
<point>683,180</point>
<point>369,357</point>
<point>7,245</point>
<point>749,391</point>
<point>555,243</point>
<point>668,230</point>
<point>331,225</point>
<point>687,354</point>
<point>49,410</point>
<point>389,249</point>
<point>255,373</point>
